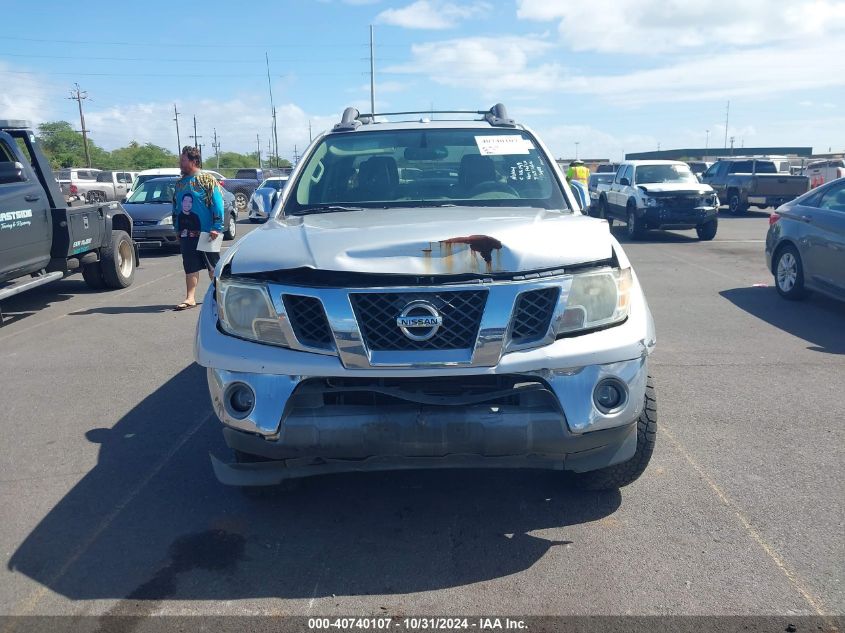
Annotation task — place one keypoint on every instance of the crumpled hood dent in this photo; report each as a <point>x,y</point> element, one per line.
<point>421,241</point>
<point>680,188</point>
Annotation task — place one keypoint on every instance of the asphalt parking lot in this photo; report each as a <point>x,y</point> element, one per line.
<point>109,505</point>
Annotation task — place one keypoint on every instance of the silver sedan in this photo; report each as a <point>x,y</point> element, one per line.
<point>264,198</point>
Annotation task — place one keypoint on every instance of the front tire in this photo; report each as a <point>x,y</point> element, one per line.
<point>117,263</point>
<point>241,201</point>
<point>618,475</point>
<point>707,231</point>
<point>636,226</point>
<point>231,230</point>
<point>789,274</point>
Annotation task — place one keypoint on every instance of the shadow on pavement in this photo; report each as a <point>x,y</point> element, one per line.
<point>27,303</point>
<point>817,320</point>
<point>149,522</point>
<point>128,309</point>
<point>653,237</point>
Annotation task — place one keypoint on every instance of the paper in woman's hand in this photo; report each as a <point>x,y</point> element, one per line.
<point>205,243</point>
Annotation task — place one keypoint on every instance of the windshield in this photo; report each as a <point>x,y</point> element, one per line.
<point>440,167</point>
<point>158,190</point>
<point>276,184</point>
<point>646,174</point>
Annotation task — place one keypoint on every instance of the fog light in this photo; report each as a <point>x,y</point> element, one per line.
<point>610,394</point>
<point>240,400</point>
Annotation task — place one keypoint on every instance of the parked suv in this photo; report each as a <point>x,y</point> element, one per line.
<point>462,314</point>
<point>660,194</point>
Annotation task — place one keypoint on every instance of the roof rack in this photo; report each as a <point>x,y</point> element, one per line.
<point>351,120</point>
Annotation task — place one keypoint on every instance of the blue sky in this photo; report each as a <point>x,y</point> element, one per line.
<point>613,76</point>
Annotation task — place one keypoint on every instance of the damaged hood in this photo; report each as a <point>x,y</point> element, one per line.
<point>689,188</point>
<point>424,241</point>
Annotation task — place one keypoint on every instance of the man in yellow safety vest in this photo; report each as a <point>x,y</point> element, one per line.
<point>578,171</point>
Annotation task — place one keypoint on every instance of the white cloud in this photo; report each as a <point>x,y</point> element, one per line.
<point>24,96</point>
<point>487,65</point>
<point>752,73</point>
<point>660,26</point>
<point>237,122</point>
<point>431,14</point>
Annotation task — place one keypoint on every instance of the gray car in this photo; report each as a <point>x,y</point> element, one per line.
<point>805,246</point>
<point>151,208</point>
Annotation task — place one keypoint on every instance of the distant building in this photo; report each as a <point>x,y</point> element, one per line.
<point>712,153</point>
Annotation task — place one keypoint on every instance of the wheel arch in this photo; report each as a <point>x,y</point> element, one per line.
<point>783,243</point>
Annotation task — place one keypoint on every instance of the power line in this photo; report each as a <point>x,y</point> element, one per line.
<point>79,96</point>
<point>147,44</point>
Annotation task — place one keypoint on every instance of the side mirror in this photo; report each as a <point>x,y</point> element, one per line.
<point>625,182</point>
<point>11,172</point>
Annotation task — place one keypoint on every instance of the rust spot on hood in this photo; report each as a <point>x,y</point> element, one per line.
<point>484,245</point>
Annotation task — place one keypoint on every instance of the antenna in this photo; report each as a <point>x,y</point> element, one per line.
<point>79,96</point>
<point>258,153</point>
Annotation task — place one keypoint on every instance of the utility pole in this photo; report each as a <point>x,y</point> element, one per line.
<point>79,96</point>
<point>216,146</point>
<point>309,132</point>
<point>727,120</point>
<point>258,147</point>
<point>372,74</point>
<point>732,146</point>
<point>577,143</point>
<point>658,146</point>
<point>273,109</point>
<point>196,139</point>
<point>295,155</point>
<point>706,140</point>
<point>178,140</point>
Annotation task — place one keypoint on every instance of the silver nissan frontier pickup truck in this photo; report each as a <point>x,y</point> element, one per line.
<point>428,294</point>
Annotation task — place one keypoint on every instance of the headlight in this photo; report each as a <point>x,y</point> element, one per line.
<point>166,221</point>
<point>246,311</point>
<point>596,300</point>
<point>649,202</point>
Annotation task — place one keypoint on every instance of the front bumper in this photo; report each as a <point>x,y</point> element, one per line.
<point>668,218</point>
<point>557,426</point>
<point>155,236</point>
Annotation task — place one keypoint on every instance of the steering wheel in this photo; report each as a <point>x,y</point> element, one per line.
<point>491,186</point>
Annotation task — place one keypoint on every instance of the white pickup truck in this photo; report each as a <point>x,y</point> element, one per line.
<point>428,294</point>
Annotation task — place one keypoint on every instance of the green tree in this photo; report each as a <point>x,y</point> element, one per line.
<point>65,148</point>
<point>138,157</point>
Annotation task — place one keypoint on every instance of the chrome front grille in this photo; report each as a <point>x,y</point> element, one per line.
<point>461,310</point>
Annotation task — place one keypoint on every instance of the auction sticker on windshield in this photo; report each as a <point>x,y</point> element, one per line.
<point>503,145</point>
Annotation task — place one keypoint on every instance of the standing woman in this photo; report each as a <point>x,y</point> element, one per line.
<point>197,208</point>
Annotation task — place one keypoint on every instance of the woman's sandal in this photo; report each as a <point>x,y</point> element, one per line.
<point>185,306</point>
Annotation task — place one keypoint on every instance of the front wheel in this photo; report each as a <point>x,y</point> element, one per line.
<point>618,475</point>
<point>636,226</point>
<point>707,231</point>
<point>231,229</point>
<point>789,274</point>
<point>241,201</point>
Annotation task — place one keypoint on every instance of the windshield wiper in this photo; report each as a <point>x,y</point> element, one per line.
<point>327,208</point>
